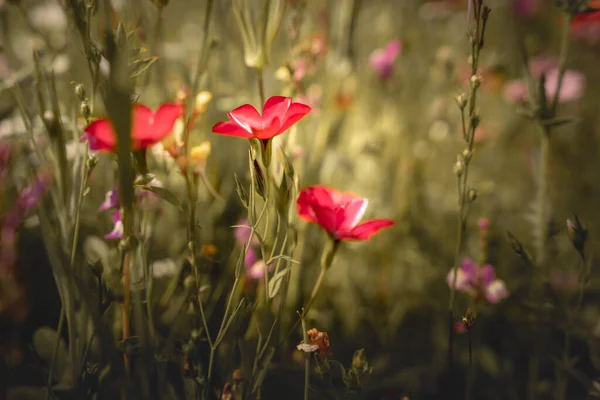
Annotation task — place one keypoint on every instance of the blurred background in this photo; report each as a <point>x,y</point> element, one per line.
<point>388,133</point>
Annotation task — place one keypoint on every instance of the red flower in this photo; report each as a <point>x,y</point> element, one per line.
<point>338,213</point>
<point>279,114</point>
<point>148,128</point>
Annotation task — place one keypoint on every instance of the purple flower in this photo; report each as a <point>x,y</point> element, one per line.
<point>478,281</point>
<point>117,232</point>
<point>382,60</point>
<point>111,200</point>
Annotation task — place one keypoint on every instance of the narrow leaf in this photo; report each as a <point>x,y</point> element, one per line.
<point>140,66</point>
<point>164,194</point>
<point>275,282</point>
<point>241,191</point>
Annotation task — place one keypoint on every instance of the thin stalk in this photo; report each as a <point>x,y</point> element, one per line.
<point>126,305</point>
<point>61,319</point>
<point>470,372</point>
<point>306,358</point>
<point>261,85</point>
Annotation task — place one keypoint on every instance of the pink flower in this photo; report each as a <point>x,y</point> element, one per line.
<point>338,213</point>
<point>479,282</point>
<point>117,232</point>
<point>256,270</point>
<point>279,114</point>
<point>382,60</point>
<point>572,88</point>
<point>242,233</point>
<point>148,128</point>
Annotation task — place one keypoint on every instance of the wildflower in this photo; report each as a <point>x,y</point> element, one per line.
<point>279,114</point>
<point>338,213</point>
<point>479,282</point>
<point>572,87</point>
<point>320,339</point>
<point>148,128</point>
<point>242,233</point>
<point>117,232</point>
<point>382,60</point>
<point>256,269</point>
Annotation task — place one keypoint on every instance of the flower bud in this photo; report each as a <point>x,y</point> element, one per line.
<point>467,155</point>
<point>578,234</point>
<point>80,92</point>
<point>202,100</point>
<point>469,319</point>
<point>85,109</point>
<point>182,95</point>
<point>472,195</point>
<point>461,101</point>
<point>475,82</point>
<point>459,168</point>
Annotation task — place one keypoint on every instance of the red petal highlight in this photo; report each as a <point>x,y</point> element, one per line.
<point>230,128</point>
<point>351,214</point>
<point>367,229</point>
<point>100,135</point>
<point>246,117</point>
<point>275,108</point>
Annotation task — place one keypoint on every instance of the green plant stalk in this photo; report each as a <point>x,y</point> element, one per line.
<point>306,357</point>
<point>563,382</point>
<point>469,134</point>
<point>469,395</point>
<point>85,174</point>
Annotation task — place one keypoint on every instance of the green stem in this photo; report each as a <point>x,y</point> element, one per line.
<point>470,372</point>
<point>261,85</point>
<point>306,357</point>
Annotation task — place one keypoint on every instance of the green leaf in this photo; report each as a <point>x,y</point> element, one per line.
<point>275,282</point>
<point>164,194</point>
<point>144,180</point>
<point>241,191</point>
<point>140,66</point>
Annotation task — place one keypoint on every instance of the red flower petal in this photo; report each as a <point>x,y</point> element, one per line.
<point>367,229</point>
<point>351,214</point>
<point>165,118</point>
<point>141,122</point>
<point>275,107</point>
<point>150,128</point>
<point>295,113</point>
<point>100,135</point>
<point>247,118</point>
<point>230,128</point>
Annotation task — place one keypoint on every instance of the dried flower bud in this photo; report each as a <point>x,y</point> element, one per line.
<point>461,101</point>
<point>80,92</point>
<point>459,167</point>
<point>91,162</point>
<point>85,109</point>
<point>227,393</point>
<point>467,155</point>
<point>475,82</point>
<point>320,339</point>
<point>472,195</point>
<point>469,319</point>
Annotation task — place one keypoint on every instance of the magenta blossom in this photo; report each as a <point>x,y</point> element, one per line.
<point>478,281</point>
<point>242,233</point>
<point>256,270</point>
<point>382,60</point>
<point>111,202</point>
